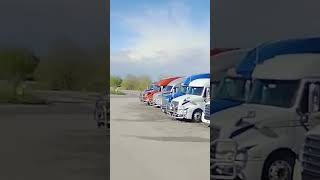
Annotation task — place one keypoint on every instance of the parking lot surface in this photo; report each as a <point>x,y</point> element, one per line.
<point>145,144</point>
<point>51,142</point>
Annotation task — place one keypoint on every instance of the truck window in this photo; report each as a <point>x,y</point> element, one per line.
<point>232,89</point>
<point>305,105</point>
<point>280,93</point>
<point>304,99</point>
<point>314,97</point>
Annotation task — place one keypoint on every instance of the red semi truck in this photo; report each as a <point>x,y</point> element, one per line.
<point>160,85</point>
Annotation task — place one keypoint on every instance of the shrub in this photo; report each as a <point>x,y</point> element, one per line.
<point>131,82</point>
<point>70,67</point>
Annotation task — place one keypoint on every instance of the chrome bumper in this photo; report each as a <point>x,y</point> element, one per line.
<point>173,113</point>
<point>223,163</point>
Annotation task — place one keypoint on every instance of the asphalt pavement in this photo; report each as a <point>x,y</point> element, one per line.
<point>51,142</point>
<point>145,144</point>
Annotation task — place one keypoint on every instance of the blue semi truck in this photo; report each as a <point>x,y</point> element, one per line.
<point>182,90</point>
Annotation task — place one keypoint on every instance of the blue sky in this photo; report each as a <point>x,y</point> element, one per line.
<point>159,37</point>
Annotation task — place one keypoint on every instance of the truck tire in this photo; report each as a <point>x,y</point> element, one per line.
<point>196,115</point>
<point>279,166</point>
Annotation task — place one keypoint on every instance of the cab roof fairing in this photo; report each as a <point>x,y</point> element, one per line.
<point>191,78</point>
<point>165,82</point>
<point>203,82</point>
<point>271,49</point>
<point>289,67</point>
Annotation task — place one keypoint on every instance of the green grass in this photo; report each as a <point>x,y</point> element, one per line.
<point>27,99</point>
<point>7,95</point>
<point>113,91</point>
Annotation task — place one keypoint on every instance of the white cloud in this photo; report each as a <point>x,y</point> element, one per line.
<point>166,36</point>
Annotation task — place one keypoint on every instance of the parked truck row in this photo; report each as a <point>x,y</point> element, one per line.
<point>185,98</point>
<point>262,105</point>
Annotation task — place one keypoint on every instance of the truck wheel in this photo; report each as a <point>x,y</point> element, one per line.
<point>279,167</point>
<point>196,116</point>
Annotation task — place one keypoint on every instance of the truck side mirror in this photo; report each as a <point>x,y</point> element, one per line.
<point>247,89</point>
<point>304,118</point>
<point>313,99</point>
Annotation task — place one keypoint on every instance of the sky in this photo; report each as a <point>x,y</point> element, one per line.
<point>247,23</point>
<point>36,24</point>
<point>159,38</point>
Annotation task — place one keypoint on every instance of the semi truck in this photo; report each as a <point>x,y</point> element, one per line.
<point>142,93</point>
<point>182,90</point>
<point>221,63</point>
<point>191,105</point>
<point>261,138</point>
<point>234,89</point>
<point>160,85</point>
<point>172,87</point>
<point>154,88</point>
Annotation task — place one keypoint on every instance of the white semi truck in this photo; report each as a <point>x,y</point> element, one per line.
<point>220,64</point>
<point>261,138</point>
<point>191,105</point>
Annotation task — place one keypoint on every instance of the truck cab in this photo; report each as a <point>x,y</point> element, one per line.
<point>261,138</point>
<point>154,88</point>
<point>191,105</point>
<point>221,63</point>
<point>172,87</point>
<point>160,87</point>
<point>180,91</point>
<point>142,93</point>
<point>256,56</point>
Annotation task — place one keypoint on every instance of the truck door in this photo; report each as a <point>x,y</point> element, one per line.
<point>310,112</point>
<point>314,105</point>
<point>207,95</point>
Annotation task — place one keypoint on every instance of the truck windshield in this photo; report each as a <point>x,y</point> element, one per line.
<point>182,89</point>
<point>195,91</point>
<point>280,93</point>
<point>167,89</point>
<point>213,88</point>
<point>232,89</point>
<point>156,88</point>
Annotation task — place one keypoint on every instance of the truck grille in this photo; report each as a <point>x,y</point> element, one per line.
<point>159,102</point>
<point>164,101</point>
<point>311,156</point>
<point>207,112</point>
<point>214,132</point>
<point>174,106</point>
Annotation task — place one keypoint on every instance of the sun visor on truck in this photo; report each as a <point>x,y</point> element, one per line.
<point>272,49</point>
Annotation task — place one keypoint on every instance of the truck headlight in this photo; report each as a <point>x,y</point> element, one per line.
<point>227,151</point>
<point>221,171</point>
<point>185,111</point>
<point>224,150</point>
<point>241,158</point>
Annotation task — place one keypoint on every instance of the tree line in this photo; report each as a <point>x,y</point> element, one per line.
<point>66,66</point>
<point>130,82</point>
